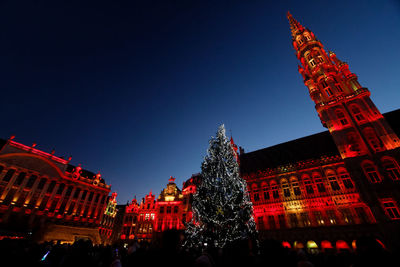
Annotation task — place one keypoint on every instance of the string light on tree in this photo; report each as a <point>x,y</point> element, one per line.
<point>222,210</point>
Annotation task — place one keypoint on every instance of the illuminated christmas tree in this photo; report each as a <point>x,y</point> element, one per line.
<point>222,210</point>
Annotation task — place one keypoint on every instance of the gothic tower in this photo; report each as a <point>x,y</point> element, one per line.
<point>343,105</point>
<point>366,142</point>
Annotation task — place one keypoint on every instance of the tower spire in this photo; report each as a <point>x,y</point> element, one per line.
<point>295,26</point>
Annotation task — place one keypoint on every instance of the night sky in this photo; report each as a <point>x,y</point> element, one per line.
<point>135,90</point>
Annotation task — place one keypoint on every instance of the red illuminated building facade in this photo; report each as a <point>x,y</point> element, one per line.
<point>44,196</point>
<point>331,187</point>
<point>152,216</point>
<point>107,223</point>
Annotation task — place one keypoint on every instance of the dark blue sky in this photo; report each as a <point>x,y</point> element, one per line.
<point>135,90</point>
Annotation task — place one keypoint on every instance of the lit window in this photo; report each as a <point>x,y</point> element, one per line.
<point>319,218</point>
<point>299,40</point>
<point>312,62</point>
<point>305,219</point>
<point>347,217</point>
<point>392,169</point>
<point>147,216</point>
<point>371,172</point>
<point>307,36</point>
<point>391,209</point>
<point>331,216</point>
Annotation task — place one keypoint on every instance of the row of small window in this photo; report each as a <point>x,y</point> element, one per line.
<point>390,165</point>
<point>169,209</point>
<point>146,228</point>
<point>294,188</point>
<point>32,179</point>
<point>328,217</point>
<point>147,216</point>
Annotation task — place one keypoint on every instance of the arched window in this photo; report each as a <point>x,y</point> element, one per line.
<point>307,36</point>
<point>319,182</point>
<point>256,194</point>
<point>392,168</point>
<point>357,113</point>
<point>337,84</point>
<point>320,59</point>
<point>371,172</point>
<point>264,187</point>
<point>308,184</point>
<point>391,208</point>
<point>299,40</point>
<point>332,180</point>
<point>310,60</point>
<point>345,177</point>
<point>372,139</point>
<point>341,117</point>
<point>285,188</point>
<point>274,189</point>
<point>295,186</point>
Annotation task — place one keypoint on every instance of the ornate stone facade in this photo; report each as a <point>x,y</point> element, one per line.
<point>151,217</point>
<point>334,186</point>
<point>43,195</point>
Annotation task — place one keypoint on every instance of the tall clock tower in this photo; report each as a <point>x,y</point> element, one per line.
<point>343,105</point>
<point>367,144</point>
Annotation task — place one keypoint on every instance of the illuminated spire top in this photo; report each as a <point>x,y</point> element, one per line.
<point>295,26</point>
